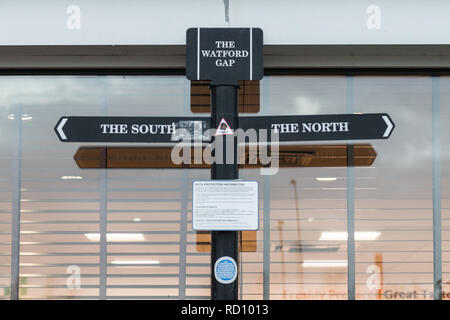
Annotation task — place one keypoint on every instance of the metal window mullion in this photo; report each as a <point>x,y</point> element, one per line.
<point>184,214</point>
<point>103,207</point>
<point>265,92</point>
<point>183,235</point>
<point>350,202</point>
<point>437,236</point>
<point>350,224</point>
<point>241,267</point>
<point>266,237</point>
<point>103,230</point>
<point>16,195</point>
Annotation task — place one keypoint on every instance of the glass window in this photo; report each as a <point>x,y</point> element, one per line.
<point>8,180</point>
<point>62,205</point>
<point>393,197</point>
<point>301,250</point>
<point>301,205</point>
<point>444,116</point>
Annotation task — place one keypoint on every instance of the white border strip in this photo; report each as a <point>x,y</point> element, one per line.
<point>389,126</point>
<point>251,54</point>
<point>60,128</point>
<point>198,53</point>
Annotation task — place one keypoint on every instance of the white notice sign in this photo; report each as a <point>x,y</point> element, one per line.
<point>225,205</point>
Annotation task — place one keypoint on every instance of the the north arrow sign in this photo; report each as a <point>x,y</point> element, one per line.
<point>324,127</point>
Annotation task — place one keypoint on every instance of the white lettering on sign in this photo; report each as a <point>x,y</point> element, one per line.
<point>285,128</point>
<point>114,128</point>
<point>226,54</point>
<point>310,127</point>
<point>225,63</point>
<point>138,128</point>
<point>225,44</point>
<point>152,128</point>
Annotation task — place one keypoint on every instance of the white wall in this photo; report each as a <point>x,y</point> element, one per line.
<point>164,22</point>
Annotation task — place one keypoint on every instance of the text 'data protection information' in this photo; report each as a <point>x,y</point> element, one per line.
<point>227,205</point>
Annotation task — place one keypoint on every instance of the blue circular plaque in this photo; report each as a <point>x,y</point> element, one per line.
<point>225,270</point>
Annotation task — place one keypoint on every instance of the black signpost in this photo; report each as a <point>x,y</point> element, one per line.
<point>224,56</point>
<point>164,129</point>
<point>224,105</point>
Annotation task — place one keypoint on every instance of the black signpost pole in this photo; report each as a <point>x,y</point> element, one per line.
<point>224,105</point>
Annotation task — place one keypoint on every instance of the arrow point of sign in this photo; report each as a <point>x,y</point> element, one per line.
<point>59,128</point>
<point>390,126</point>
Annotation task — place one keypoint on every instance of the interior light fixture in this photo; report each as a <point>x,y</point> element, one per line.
<point>71,177</point>
<point>30,253</point>
<point>136,219</point>
<point>326,178</point>
<point>116,236</point>
<point>136,262</point>
<point>24,117</point>
<point>342,236</point>
<point>324,263</point>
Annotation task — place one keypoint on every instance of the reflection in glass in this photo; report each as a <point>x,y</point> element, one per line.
<point>152,251</point>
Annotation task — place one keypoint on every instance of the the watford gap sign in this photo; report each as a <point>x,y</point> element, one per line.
<point>224,54</point>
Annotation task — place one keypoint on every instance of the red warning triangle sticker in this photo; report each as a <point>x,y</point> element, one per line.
<point>223,128</point>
